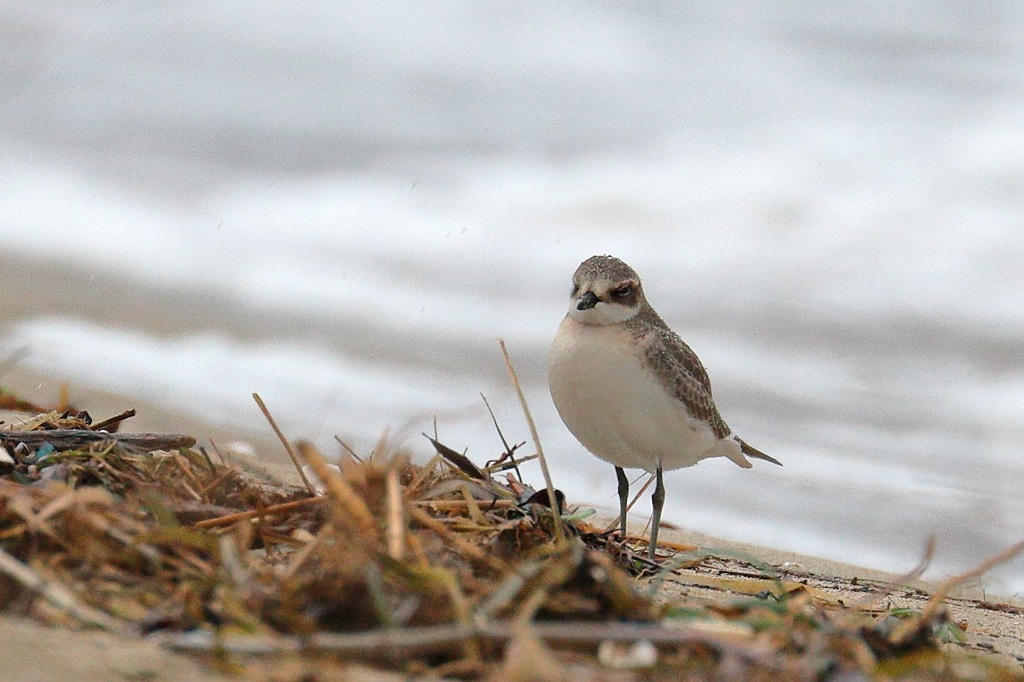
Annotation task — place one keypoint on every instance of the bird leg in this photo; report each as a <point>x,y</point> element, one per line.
<point>623,499</point>
<point>657,501</point>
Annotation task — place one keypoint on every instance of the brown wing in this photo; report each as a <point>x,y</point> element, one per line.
<point>686,379</point>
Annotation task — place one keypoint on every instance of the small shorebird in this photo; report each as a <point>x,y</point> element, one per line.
<point>630,390</point>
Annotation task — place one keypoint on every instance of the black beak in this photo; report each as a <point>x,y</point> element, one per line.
<point>587,301</point>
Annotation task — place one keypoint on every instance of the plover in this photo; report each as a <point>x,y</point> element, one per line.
<point>630,390</point>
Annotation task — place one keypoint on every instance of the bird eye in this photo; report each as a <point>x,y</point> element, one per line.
<point>622,290</point>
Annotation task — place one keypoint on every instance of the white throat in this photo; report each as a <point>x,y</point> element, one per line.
<point>602,313</point>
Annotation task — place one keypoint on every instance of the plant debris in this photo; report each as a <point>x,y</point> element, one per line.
<point>449,569</point>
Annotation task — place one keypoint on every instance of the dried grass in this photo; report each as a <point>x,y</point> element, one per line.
<point>448,569</point>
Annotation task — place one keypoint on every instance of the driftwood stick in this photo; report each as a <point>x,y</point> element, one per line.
<point>400,642</point>
<point>69,439</point>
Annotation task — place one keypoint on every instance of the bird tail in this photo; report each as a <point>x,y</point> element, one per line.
<point>753,452</point>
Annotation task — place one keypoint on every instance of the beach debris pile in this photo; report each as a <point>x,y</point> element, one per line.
<point>449,568</point>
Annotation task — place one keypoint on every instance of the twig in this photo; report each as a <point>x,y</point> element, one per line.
<point>406,642</point>
<point>284,442</point>
<point>282,508</point>
<point>209,462</point>
<point>219,453</point>
<point>56,595</point>
<point>116,419</point>
<point>552,500</point>
<point>69,439</point>
<point>350,451</point>
<point>509,451</point>
<point>908,629</point>
<point>458,505</point>
<point>935,602</point>
<point>217,480</point>
<point>396,522</point>
<point>878,595</point>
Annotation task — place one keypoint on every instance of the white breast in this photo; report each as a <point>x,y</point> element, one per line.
<point>617,408</point>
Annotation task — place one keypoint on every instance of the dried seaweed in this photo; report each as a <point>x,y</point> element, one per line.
<point>447,568</point>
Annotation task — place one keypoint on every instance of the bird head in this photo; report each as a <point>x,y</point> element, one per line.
<point>605,291</point>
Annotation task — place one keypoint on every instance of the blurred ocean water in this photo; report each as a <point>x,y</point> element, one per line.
<point>344,204</point>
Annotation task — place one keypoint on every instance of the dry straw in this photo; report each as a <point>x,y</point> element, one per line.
<point>439,570</point>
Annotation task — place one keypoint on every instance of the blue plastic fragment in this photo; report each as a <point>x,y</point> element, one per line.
<point>43,453</point>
